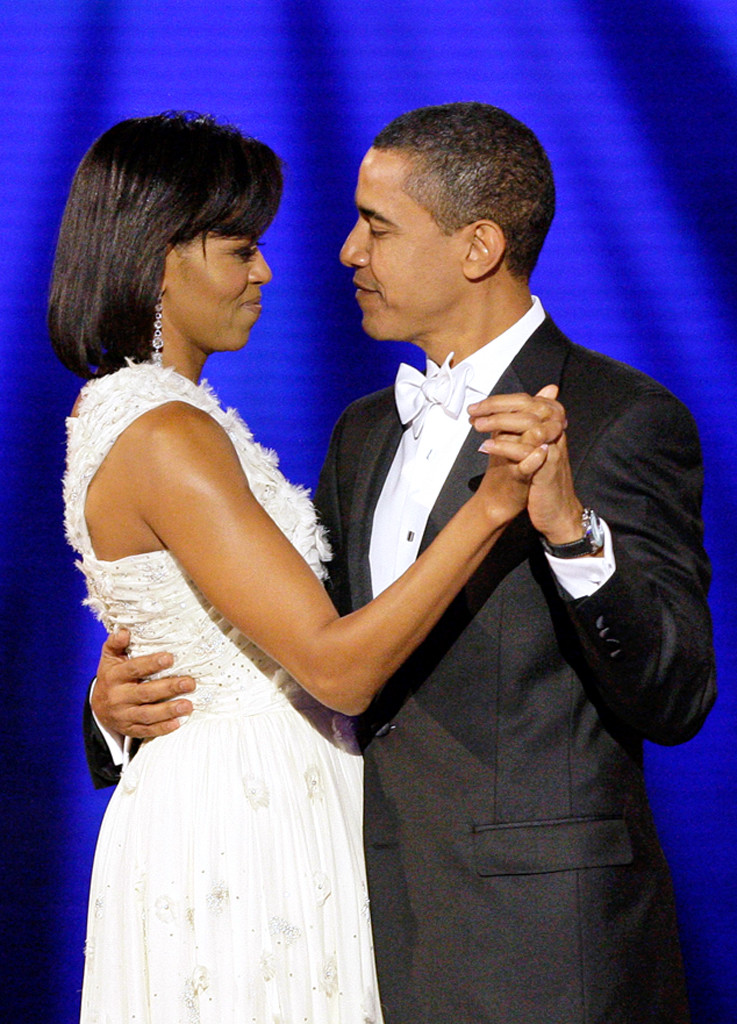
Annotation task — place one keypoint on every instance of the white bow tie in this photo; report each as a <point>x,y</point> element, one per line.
<point>414,392</point>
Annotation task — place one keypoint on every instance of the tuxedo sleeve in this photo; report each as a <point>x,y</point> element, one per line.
<point>645,635</point>
<point>332,509</point>
<point>103,770</point>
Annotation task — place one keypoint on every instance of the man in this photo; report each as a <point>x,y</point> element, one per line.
<point>515,873</point>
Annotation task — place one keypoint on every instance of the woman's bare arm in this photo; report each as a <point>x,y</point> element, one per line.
<point>175,477</point>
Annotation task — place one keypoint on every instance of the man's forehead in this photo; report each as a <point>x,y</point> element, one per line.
<point>389,164</point>
<point>380,187</point>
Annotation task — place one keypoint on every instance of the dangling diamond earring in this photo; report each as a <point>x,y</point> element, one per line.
<point>158,342</point>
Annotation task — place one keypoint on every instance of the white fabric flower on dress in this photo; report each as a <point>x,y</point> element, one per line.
<point>280,927</point>
<point>204,697</point>
<point>164,908</point>
<point>329,976</point>
<point>200,979</point>
<point>199,982</point>
<point>313,779</point>
<point>129,778</point>
<point>268,966</point>
<point>257,792</point>
<point>217,897</point>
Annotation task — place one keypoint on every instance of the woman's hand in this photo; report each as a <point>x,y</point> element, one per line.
<point>521,428</point>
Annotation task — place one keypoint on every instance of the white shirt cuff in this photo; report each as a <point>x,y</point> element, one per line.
<point>581,577</point>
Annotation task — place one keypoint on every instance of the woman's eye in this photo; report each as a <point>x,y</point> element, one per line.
<point>247,252</point>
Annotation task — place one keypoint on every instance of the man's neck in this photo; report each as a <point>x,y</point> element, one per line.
<point>483,323</point>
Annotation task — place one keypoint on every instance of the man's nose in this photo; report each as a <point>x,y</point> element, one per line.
<point>353,253</point>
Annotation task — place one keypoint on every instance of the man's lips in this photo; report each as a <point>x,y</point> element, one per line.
<point>361,287</point>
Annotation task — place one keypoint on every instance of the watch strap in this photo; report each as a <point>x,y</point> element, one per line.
<point>590,544</point>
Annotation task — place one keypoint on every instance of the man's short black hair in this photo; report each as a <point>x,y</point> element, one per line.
<point>472,161</point>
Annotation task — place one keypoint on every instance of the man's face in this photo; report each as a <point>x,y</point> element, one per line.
<point>408,274</point>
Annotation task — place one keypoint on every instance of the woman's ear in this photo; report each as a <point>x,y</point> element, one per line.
<point>486,248</point>
<point>170,267</point>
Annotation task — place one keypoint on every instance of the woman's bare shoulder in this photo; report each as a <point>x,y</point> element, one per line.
<point>176,436</point>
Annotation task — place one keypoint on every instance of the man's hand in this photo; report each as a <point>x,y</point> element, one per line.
<point>552,505</point>
<point>125,701</point>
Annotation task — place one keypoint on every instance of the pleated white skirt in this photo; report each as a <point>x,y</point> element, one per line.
<point>229,884</point>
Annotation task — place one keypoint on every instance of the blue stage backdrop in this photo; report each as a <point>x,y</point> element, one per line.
<point>635,101</point>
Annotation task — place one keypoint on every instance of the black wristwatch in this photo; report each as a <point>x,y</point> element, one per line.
<point>590,544</point>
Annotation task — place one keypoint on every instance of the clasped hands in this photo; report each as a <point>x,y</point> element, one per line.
<point>529,430</point>
<point>526,441</point>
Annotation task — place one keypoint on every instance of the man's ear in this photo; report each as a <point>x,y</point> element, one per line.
<point>486,248</point>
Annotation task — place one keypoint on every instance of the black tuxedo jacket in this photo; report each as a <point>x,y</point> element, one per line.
<point>514,870</point>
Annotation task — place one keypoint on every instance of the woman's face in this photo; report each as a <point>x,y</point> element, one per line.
<point>211,298</point>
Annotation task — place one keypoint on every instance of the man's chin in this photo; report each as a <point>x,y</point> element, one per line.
<point>375,329</point>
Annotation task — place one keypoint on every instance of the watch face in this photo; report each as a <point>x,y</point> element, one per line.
<point>594,529</point>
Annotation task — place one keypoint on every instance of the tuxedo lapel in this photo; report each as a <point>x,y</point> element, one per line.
<point>378,452</point>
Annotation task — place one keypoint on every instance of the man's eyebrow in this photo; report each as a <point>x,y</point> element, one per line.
<point>375,215</point>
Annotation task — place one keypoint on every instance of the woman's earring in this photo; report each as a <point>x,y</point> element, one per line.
<point>158,342</point>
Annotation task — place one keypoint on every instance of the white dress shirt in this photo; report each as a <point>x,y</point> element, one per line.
<point>422,464</point>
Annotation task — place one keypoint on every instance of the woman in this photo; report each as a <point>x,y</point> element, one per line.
<point>228,882</point>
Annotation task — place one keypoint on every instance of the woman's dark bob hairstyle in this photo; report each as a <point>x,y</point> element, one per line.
<point>147,184</point>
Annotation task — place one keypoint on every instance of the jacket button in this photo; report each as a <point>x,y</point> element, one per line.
<point>385,729</point>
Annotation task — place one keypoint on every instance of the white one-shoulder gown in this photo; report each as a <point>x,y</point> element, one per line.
<point>229,884</point>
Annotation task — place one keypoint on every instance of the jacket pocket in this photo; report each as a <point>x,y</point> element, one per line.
<point>535,847</point>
